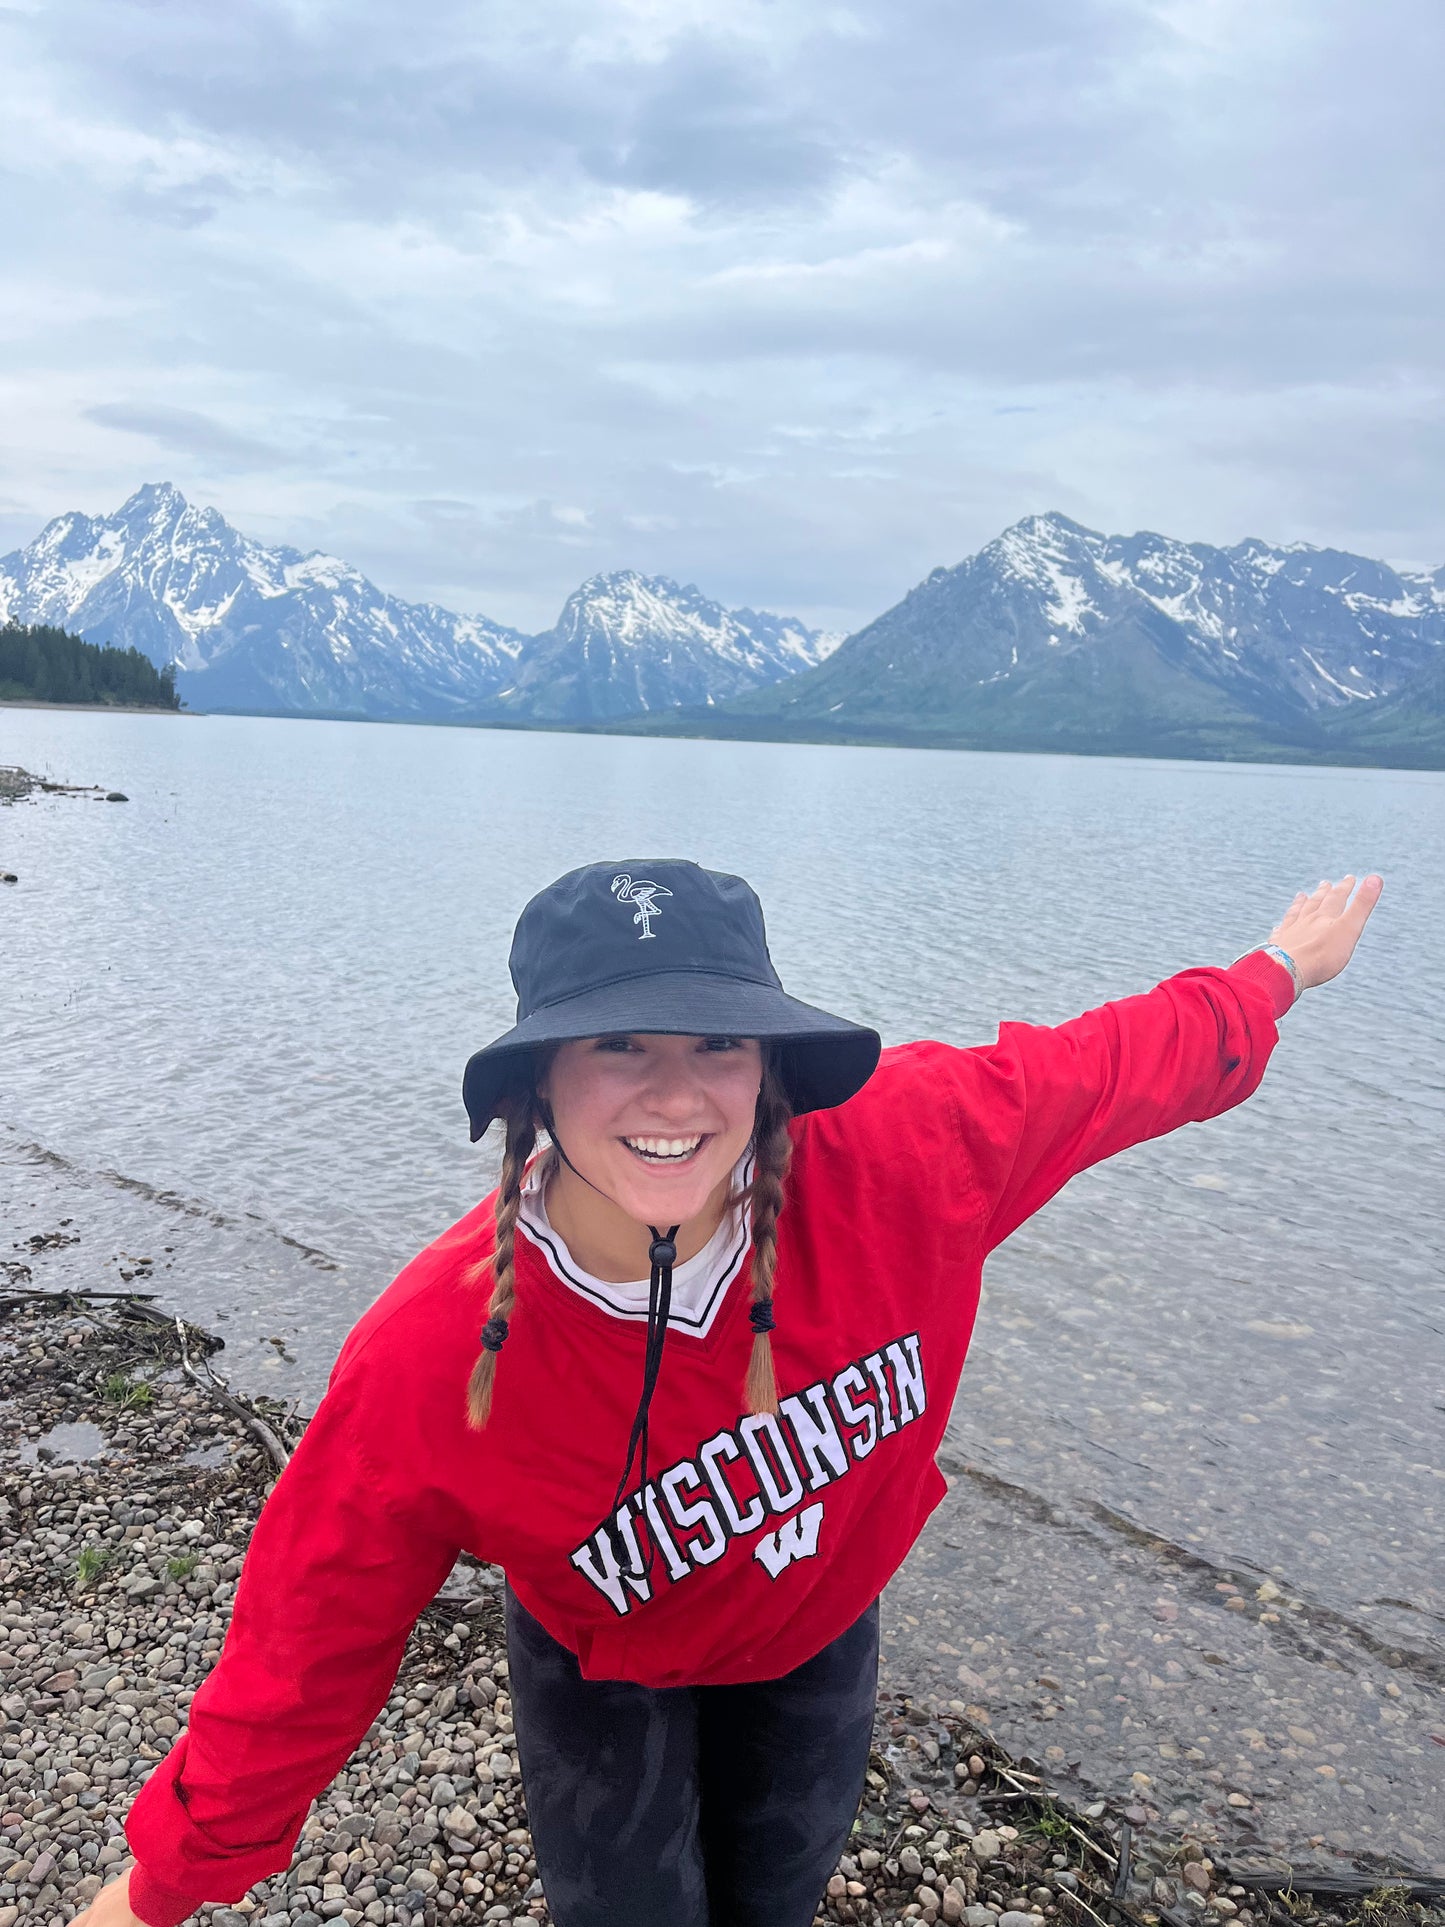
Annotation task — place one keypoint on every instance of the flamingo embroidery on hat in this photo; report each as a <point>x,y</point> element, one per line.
<point>643,897</point>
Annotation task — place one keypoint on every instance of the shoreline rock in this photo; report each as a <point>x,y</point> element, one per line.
<point>128,1490</point>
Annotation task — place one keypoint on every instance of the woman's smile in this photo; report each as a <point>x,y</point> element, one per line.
<point>667,1150</point>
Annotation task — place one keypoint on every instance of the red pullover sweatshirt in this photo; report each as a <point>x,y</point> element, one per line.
<point>768,1535</point>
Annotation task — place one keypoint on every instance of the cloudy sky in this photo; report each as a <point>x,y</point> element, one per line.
<point>792,299</point>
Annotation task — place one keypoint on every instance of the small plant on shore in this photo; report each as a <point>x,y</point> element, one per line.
<point>183,1566</point>
<point>121,1391</point>
<point>88,1567</point>
<point>1051,1822</point>
<point>1386,1905</point>
<point>1297,1906</point>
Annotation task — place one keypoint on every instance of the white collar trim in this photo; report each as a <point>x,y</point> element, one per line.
<point>699,1284</point>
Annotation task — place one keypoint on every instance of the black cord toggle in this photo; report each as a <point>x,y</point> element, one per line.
<point>663,1254</point>
<point>760,1316</point>
<point>494,1334</point>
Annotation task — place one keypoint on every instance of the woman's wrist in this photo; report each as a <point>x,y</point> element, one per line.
<point>1283,956</point>
<point>1271,974</point>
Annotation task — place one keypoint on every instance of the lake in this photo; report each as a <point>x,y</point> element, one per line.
<point>233,1018</point>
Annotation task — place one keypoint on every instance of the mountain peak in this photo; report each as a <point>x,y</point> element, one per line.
<point>624,582</point>
<point>152,498</point>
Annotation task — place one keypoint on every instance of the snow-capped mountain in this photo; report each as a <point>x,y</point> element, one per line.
<point>627,643</point>
<point>255,628</point>
<point>1054,632</point>
<point>250,627</point>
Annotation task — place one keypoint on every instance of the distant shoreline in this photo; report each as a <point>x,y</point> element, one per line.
<point>119,709</point>
<point>684,727</point>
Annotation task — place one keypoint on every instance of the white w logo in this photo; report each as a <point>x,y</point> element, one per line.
<point>796,1538</point>
<point>643,898</point>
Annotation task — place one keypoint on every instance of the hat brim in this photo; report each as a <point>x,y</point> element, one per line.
<point>823,1060</point>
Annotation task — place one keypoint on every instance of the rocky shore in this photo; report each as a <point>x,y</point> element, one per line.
<point>129,1483</point>
<point>18,785</point>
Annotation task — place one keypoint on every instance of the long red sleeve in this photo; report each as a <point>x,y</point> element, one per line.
<point>298,1681</point>
<point>1047,1101</point>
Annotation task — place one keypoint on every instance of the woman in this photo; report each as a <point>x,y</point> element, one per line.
<point>696,1500</point>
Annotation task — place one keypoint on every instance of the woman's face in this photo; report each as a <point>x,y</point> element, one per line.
<point>657,1123</point>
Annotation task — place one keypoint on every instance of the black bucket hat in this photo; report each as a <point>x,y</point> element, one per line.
<point>668,947</point>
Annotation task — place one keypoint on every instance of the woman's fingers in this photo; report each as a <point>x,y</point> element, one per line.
<point>1321,930</point>
<point>1366,897</point>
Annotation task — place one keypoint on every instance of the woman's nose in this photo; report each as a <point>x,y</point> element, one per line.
<point>675,1091</point>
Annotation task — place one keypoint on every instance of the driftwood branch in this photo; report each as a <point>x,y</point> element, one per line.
<point>219,1390</point>
<point>1337,1886</point>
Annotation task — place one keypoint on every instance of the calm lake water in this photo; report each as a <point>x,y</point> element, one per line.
<point>233,1018</point>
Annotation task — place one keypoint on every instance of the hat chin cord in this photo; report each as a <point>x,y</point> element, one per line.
<point>662,1256</point>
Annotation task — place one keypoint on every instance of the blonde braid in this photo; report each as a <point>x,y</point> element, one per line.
<point>772,1151</point>
<point>521,1121</point>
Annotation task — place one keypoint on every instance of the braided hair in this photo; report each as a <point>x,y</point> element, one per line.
<point>772,1150</point>
<point>772,1153</point>
<point>522,1122</point>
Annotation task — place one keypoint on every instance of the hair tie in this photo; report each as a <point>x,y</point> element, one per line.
<point>494,1334</point>
<point>760,1317</point>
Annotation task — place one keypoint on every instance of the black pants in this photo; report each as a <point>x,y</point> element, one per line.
<point>690,1806</point>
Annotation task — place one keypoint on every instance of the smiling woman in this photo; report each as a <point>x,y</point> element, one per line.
<point>654,1127</point>
<point>693,1646</point>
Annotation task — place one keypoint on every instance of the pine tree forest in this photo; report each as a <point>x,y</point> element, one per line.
<point>51,665</point>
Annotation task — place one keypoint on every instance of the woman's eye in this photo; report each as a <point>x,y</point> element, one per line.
<point>720,1043</point>
<point>615,1043</point>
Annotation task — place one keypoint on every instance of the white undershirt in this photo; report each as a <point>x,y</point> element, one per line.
<point>699,1283</point>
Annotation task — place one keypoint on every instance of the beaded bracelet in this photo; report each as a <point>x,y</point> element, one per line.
<point>1283,956</point>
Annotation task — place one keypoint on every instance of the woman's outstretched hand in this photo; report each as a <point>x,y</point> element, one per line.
<point>1320,930</point>
<point>110,1908</point>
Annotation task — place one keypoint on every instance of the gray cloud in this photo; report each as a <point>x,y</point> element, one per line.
<point>791,300</point>
<point>182,431</point>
